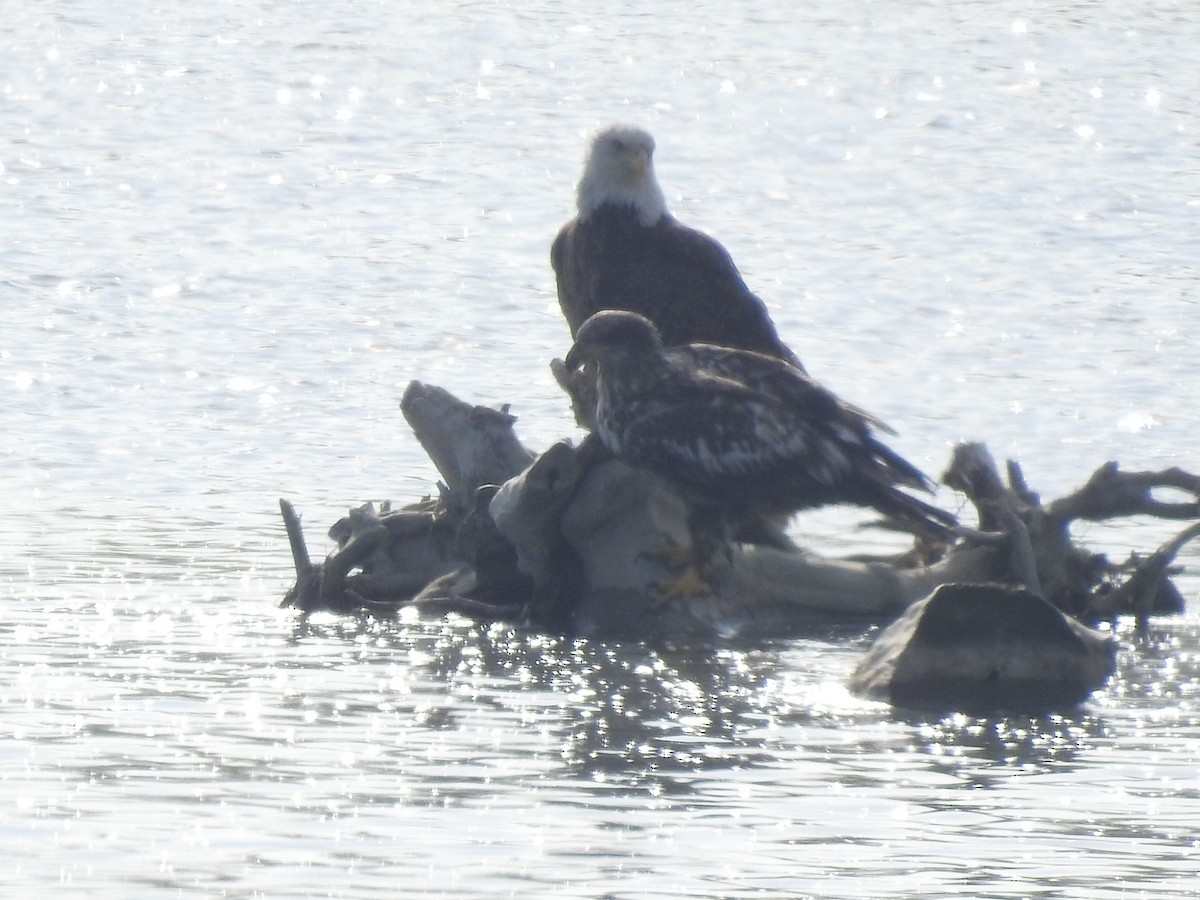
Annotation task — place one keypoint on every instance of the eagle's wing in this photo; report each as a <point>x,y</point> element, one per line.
<point>715,431</point>
<point>569,259</point>
<point>713,292</point>
<point>822,420</point>
<point>679,278</point>
<point>704,255</point>
<point>848,424</point>
<point>785,380</point>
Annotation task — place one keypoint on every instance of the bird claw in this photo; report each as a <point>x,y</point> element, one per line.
<point>692,581</point>
<point>691,584</point>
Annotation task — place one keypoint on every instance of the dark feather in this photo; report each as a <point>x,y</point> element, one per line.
<point>740,428</point>
<point>680,278</point>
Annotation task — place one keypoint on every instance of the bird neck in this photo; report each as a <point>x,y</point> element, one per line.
<point>645,198</point>
<point>637,372</point>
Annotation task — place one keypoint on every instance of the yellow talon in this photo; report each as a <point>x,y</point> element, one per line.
<point>690,585</point>
<point>692,581</point>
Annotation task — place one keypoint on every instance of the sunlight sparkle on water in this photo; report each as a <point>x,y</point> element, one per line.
<point>237,230</point>
<point>1137,421</point>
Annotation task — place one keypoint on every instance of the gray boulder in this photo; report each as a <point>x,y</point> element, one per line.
<point>985,648</point>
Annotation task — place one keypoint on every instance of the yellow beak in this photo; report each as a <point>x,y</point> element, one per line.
<point>640,163</point>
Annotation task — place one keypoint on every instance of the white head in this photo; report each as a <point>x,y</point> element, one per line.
<point>619,169</point>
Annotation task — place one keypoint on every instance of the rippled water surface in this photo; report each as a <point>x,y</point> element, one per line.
<point>232,232</point>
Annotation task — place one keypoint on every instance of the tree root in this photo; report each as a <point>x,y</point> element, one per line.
<point>1043,556</point>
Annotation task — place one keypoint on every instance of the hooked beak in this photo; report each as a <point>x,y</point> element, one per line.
<point>574,359</point>
<point>641,163</point>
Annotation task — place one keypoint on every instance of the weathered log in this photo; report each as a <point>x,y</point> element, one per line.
<point>1148,588</point>
<point>305,593</point>
<point>398,554</point>
<point>1111,493</point>
<point>470,445</point>
<point>416,546</point>
<point>322,586</point>
<point>566,543</point>
<point>489,586</point>
<point>611,517</point>
<point>1043,555</point>
<point>363,534</point>
<point>1001,512</point>
<point>985,648</point>
<point>527,512</point>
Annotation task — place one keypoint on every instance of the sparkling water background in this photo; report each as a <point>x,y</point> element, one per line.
<point>230,233</point>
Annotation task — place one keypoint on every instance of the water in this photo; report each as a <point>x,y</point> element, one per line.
<point>232,233</point>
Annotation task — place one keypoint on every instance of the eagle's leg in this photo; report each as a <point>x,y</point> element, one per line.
<point>691,584</point>
<point>672,555</point>
<point>692,580</point>
<point>709,535</point>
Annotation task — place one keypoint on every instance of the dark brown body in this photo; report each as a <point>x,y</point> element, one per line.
<point>677,277</point>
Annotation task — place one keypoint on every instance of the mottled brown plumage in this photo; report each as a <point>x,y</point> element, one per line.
<point>743,430</point>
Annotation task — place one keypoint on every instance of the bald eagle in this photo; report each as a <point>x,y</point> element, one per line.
<point>625,251</point>
<point>743,433</point>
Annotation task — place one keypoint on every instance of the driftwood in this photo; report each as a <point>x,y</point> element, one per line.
<point>395,554</point>
<point>560,541</point>
<point>1042,554</point>
<point>566,541</point>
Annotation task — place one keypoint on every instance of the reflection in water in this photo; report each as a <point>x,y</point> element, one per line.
<point>632,715</point>
<point>755,748</point>
<point>985,752</point>
<point>234,742</point>
<point>619,713</point>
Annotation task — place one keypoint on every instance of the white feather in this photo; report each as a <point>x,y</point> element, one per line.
<point>620,169</point>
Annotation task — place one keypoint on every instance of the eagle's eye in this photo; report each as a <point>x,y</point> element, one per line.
<point>618,144</point>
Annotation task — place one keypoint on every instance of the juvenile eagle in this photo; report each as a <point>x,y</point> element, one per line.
<point>746,434</point>
<point>624,250</point>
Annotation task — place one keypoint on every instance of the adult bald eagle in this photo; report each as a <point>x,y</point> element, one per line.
<point>625,251</point>
<point>746,434</point>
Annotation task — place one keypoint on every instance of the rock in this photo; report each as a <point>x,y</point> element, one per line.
<point>985,648</point>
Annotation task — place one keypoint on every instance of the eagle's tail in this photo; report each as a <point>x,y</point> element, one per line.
<point>890,472</point>
<point>921,517</point>
<point>898,469</point>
